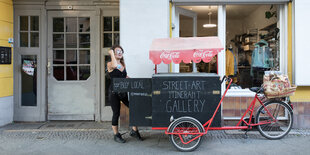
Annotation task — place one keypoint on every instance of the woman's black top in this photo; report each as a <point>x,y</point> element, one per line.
<point>116,73</point>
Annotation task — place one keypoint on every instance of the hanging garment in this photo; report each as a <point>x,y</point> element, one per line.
<point>230,63</point>
<point>235,62</point>
<point>261,56</point>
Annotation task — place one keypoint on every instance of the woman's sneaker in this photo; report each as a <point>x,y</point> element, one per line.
<point>118,138</point>
<point>136,135</point>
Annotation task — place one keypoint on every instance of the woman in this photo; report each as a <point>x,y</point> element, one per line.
<point>117,69</point>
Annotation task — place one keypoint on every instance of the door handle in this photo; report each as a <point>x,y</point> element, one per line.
<point>48,67</point>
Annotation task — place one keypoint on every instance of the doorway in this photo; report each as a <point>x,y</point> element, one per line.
<point>71,63</point>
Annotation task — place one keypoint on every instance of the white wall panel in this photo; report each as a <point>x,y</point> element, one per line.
<point>141,21</point>
<point>302,47</point>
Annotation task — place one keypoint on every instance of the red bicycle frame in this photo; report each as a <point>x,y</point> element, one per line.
<point>248,125</point>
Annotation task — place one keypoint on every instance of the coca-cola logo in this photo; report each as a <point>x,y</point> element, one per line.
<point>170,55</point>
<point>202,54</point>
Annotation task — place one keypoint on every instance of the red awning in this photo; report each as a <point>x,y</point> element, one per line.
<point>184,49</point>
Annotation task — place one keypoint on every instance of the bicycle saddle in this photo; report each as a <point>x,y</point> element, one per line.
<point>257,89</point>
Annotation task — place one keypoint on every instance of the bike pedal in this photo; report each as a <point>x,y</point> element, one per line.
<point>246,136</point>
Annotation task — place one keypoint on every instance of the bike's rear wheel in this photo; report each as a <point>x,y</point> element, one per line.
<point>276,119</point>
<point>188,129</point>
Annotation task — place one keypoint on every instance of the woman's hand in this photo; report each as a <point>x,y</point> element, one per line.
<point>111,52</point>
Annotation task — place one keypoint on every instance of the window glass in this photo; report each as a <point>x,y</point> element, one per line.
<point>23,25</point>
<point>252,43</point>
<point>34,23</point>
<point>85,57</point>
<point>206,15</point>
<point>58,72</point>
<point>71,48</point>
<point>111,31</point>
<point>25,33</point>
<point>58,57</point>
<point>107,40</point>
<point>71,40</point>
<point>71,24</point>
<point>58,41</point>
<point>116,23</point>
<point>58,24</point>
<point>71,73</point>
<point>29,80</point>
<point>71,56</point>
<point>84,40</point>
<point>84,72</point>
<point>84,24</point>
<point>23,40</point>
<point>107,24</point>
<point>34,39</point>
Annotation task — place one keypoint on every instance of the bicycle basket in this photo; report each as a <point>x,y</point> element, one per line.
<point>276,86</point>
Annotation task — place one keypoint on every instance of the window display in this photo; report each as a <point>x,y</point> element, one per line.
<point>252,42</point>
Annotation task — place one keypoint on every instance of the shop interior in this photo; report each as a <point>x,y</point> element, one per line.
<point>252,41</point>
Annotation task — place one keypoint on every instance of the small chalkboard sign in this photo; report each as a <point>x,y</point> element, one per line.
<point>140,98</point>
<point>5,55</point>
<point>137,85</point>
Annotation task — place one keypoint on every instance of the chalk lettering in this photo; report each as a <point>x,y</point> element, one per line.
<point>202,102</point>
<point>168,108</point>
<point>137,85</point>
<point>165,84</point>
<point>184,106</point>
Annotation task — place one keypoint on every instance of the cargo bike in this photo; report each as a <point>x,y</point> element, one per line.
<point>187,105</point>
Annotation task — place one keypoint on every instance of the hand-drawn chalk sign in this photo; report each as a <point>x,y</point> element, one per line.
<point>180,95</point>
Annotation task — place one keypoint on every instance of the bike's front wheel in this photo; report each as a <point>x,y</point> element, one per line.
<point>275,119</point>
<point>186,134</point>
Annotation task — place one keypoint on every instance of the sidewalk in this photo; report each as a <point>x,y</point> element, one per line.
<point>97,138</point>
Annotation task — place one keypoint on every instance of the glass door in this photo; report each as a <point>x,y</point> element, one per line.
<point>71,66</point>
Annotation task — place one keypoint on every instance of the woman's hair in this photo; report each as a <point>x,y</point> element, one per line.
<point>118,46</point>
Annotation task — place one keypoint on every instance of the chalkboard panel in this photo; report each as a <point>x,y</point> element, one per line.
<point>194,95</point>
<point>138,85</point>
<point>140,108</point>
<point>140,99</point>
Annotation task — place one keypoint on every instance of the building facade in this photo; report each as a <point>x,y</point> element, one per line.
<point>6,62</point>
<point>61,48</point>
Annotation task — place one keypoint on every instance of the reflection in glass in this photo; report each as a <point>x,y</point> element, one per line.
<point>58,41</point>
<point>116,38</point>
<point>71,73</point>
<point>85,57</point>
<point>84,72</point>
<point>71,57</point>
<point>71,41</point>
<point>34,39</point>
<point>107,40</point>
<point>58,57</point>
<point>116,23</point>
<point>84,24</point>
<point>84,40</point>
<point>58,72</point>
<point>107,24</point>
<point>34,23</point>
<point>23,39</point>
<point>29,80</point>
<point>71,24</point>
<point>58,24</point>
<point>23,23</point>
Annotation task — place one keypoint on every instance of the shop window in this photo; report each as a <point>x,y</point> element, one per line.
<point>206,26</point>
<point>110,31</point>
<point>252,43</point>
<point>71,48</point>
<point>29,31</point>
